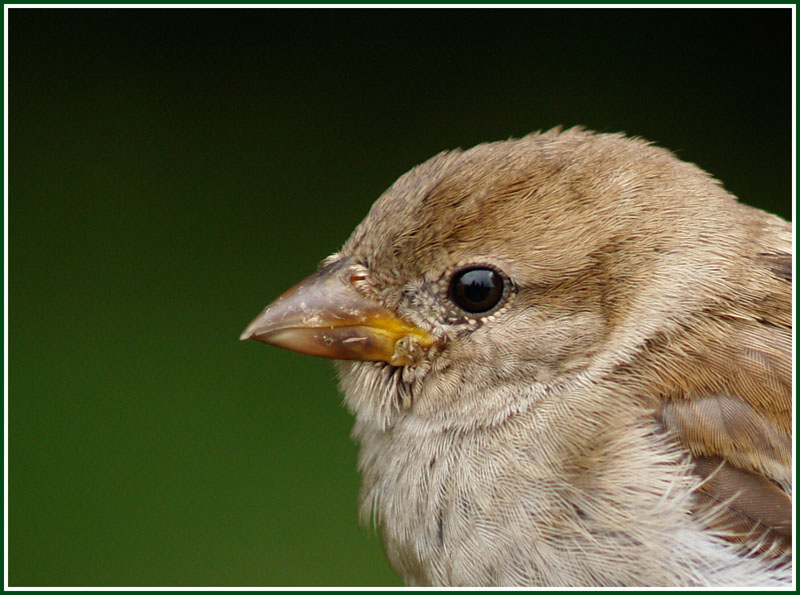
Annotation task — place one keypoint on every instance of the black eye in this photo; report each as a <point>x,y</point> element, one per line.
<point>477,290</point>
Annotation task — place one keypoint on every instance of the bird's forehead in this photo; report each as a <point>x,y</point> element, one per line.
<point>545,201</point>
<point>488,200</point>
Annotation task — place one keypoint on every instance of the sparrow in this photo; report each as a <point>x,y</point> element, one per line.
<point>569,359</point>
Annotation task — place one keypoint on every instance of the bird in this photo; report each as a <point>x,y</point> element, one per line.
<point>569,360</point>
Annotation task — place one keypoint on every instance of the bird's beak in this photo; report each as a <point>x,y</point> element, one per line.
<point>324,315</point>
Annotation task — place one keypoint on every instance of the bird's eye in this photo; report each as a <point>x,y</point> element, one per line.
<point>477,289</point>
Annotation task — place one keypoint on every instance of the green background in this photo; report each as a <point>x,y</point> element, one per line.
<point>171,172</point>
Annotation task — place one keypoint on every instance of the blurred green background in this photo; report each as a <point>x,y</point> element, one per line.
<point>172,171</point>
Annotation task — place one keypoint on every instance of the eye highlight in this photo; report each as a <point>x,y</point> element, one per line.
<point>477,289</point>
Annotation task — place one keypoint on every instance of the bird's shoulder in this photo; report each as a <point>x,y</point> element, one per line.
<point>721,385</point>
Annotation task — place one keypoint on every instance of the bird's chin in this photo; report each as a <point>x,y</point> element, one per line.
<point>376,392</point>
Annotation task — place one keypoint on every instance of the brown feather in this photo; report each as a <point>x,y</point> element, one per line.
<point>727,426</point>
<point>756,512</point>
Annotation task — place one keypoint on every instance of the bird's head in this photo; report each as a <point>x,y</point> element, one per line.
<point>485,280</point>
